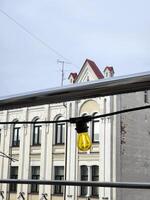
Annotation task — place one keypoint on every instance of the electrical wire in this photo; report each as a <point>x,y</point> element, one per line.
<point>35,37</point>
<point>85,118</point>
<point>2,154</point>
<point>121,111</point>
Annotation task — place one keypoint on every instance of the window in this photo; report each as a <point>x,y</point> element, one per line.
<point>16,136</point>
<point>146,96</point>
<point>59,175</point>
<point>13,175</point>
<point>95,177</point>
<point>84,177</point>
<point>88,123</point>
<point>35,175</point>
<point>60,132</point>
<point>95,130</point>
<point>36,134</point>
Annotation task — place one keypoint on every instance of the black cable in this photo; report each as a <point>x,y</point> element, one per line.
<point>35,37</point>
<point>121,111</point>
<point>85,118</point>
<point>6,156</point>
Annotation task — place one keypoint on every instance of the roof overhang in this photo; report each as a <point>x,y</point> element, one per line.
<point>99,88</point>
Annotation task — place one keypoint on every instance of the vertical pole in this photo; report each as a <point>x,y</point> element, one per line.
<point>62,74</point>
<point>62,62</point>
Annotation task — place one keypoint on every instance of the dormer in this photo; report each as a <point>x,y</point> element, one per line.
<point>72,77</point>
<point>108,71</point>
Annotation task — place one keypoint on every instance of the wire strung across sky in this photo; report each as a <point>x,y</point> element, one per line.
<point>36,37</point>
<point>75,119</point>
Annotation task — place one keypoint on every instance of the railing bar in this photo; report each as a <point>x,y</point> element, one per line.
<point>103,87</point>
<point>130,185</point>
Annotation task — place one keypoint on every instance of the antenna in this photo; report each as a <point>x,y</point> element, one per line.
<point>62,70</point>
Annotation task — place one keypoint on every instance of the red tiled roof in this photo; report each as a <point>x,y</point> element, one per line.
<point>109,68</point>
<point>73,74</point>
<point>95,68</point>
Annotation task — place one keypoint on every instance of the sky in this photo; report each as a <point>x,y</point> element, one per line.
<point>34,34</point>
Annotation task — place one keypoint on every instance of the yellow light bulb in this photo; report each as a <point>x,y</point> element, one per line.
<point>84,142</point>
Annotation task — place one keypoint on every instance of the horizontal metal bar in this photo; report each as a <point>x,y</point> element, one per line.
<point>130,185</point>
<point>99,88</point>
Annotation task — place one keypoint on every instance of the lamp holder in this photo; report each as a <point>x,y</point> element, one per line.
<point>81,123</point>
<point>74,120</point>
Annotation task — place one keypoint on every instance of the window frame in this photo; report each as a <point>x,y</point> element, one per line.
<point>36,141</point>
<point>95,177</point>
<point>94,121</point>
<point>60,131</point>
<point>16,132</point>
<point>35,176</point>
<point>58,189</point>
<point>13,186</point>
<point>83,177</point>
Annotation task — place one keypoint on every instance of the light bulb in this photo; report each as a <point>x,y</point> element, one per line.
<point>84,142</point>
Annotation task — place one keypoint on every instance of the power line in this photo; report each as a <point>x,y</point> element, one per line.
<point>2,154</point>
<point>85,118</point>
<point>35,36</point>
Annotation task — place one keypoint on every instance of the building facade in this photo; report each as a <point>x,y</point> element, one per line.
<point>49,151</point>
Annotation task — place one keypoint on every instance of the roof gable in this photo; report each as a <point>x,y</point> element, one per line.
<point>89,71</point>
<point>74,75</point>
<point>110,68</point>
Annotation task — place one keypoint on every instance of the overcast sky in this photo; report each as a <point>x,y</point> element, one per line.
<point>110,32</point>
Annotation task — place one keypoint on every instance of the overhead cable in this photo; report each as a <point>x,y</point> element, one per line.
<point>85,118</point>
<point>35,36</point>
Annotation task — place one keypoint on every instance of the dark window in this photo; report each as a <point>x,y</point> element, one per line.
<point>35,175</point>
<point>88,123</point>
<point>84,177</point>
<point>16,136</point>
<point>95,130</point>
<point>36,134</point>
<point>13,175</point>
<point>95,177</point>
<point>59,175</point>
<point>146,96</point>
<point>60,133</point>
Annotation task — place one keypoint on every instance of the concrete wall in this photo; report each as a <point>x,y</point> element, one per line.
<point>135,146</point>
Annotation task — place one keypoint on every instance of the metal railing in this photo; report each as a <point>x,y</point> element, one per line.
<point>99,88</point>
<point>131,185</point>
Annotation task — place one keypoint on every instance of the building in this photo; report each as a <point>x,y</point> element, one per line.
<point>48,151</point>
